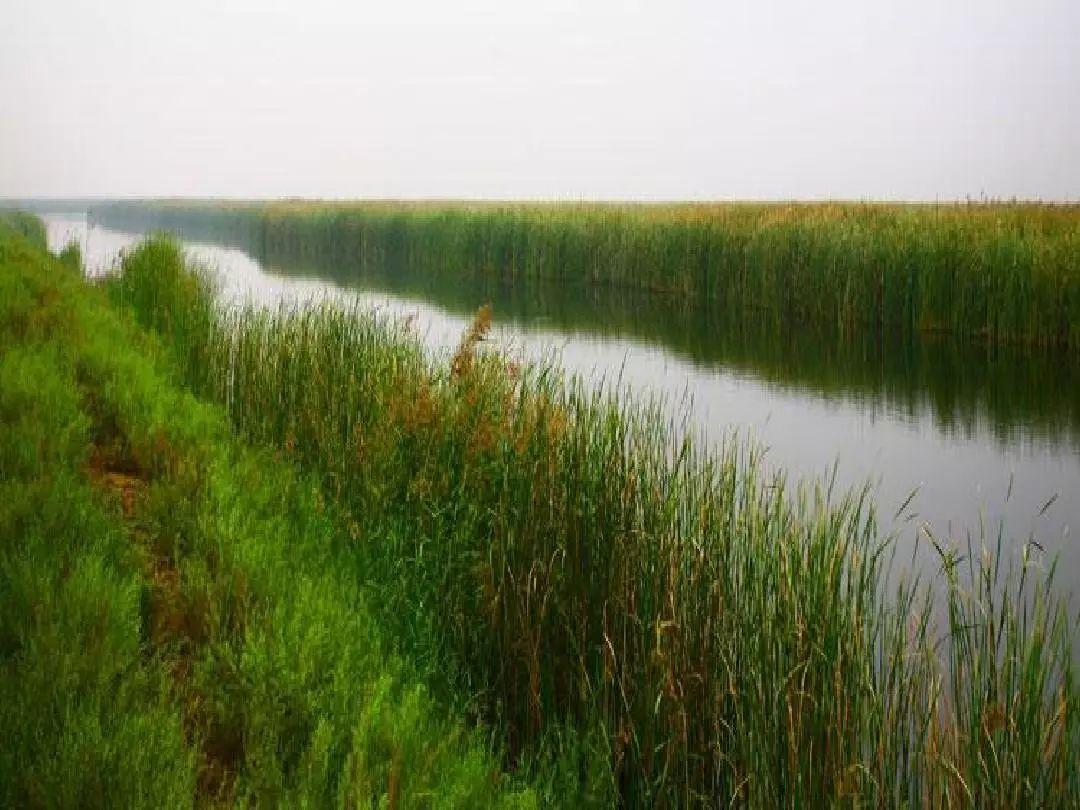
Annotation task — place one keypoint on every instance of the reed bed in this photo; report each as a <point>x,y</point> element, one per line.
<point>23,224</point>
<point>996,272</point>
<point>705,631</point>
<point>1010,390</point>
<point>179,622</point>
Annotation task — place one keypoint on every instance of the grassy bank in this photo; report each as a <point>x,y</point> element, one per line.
<point>671,623</point>
<point>28,226</point>
<point>182,619</point>
<point>1003,273</point>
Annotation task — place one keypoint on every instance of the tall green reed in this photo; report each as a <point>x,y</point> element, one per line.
<point>179,624</point>
<point>726,635</point>
<point>1003,273</point>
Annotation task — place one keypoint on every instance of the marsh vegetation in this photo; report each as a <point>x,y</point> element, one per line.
<point>1003,273</point>
<point>333,568</point>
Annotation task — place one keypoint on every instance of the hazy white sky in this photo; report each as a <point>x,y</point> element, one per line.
<point>553,98</point>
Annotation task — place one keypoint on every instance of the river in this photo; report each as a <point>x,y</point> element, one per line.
<point>986,435</point>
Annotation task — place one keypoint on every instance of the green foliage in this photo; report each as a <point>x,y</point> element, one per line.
<point>636,615</point>
<point>27,225</point>
<point>86,716</point>
<point>179,623</point>
<point>71,256</point>
<point>308,617</point>
<point>1003,273</point>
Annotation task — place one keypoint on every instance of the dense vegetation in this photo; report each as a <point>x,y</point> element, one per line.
<point>683,628</point>
<point>1003,273</point>
<point>966,385</point>
<point>404,548</point>
<point>181,616</point>
<point>24,224</point>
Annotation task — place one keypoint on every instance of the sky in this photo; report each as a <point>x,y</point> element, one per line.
<point>670,99</point>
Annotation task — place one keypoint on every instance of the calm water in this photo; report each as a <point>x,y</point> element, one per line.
<point>964,424</point>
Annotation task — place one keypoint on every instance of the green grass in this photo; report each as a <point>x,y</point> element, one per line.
<point>1002,273</point>
<point>26,225</point>
<point>181,618</point>
<point>626,610</point>
<point>966,385</point>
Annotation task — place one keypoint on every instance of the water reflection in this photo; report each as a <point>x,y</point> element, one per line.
<point>965,390</point>
<point>988,433</point>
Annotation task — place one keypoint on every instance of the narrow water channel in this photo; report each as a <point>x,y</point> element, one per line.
<point>986,435</point>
